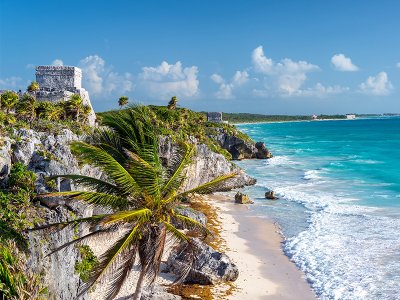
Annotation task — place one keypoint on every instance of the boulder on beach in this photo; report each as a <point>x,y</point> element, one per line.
<point>241,198</point>
<point>210,266</point>
<point>270,195</point>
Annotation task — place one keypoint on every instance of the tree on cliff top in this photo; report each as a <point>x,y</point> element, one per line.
<point>34,86</point>
<point>122,101</point>
<point>172,103</point>
<point>142,193</point>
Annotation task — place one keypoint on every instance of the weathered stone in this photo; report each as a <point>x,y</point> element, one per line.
<point>210,266</point>
<point>242,199</point>
<point>5,157</point>
<point>262,151</point>
<point>157,292</point>
<point>57,83</point>
<point>270,195</point>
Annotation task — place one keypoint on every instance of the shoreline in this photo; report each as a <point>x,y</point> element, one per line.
<point>254,244</point>
<point>297,121</point>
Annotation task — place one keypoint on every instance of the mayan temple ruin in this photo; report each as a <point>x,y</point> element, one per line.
<point>58,83</point>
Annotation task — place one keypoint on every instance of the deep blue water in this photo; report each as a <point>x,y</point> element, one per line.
<point>339,184</point>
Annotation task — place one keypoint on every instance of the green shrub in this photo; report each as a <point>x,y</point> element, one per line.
<point>88,261</point>
<point>21,178</point>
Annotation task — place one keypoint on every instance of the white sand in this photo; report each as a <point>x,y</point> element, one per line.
<point>254,244</point>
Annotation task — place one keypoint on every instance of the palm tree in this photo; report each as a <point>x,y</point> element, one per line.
<point>172,103</point>
<point>122,101</point>
<point>26,108</point>
<point>74,105</point>
<point>86,110</point>
<point>34,86</point>
<point>141,192</point>
<point>8,100</point>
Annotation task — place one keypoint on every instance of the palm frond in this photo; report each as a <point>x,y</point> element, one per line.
<point>192,224</point>
<point>61,225</point>
<point>109,259</point>
<point>92,198</point>
<point>91,182</point>
<point>128,216</point>
<point>205,188</point>
<point>113,169</point>
<point>181,161</point>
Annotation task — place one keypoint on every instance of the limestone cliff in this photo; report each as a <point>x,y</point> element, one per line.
<point>49,154</point>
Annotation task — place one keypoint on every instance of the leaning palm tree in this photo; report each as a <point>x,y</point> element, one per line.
<point>172,103</point>
<point>141,192</point>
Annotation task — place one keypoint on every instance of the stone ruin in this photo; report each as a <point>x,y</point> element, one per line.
<point>214,117</point>
<point>57,83</point>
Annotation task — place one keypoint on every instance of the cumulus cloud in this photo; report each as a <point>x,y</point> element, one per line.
<point>225,90</point>
<point>167,80</point>
<point>288,74</point>
<point>343,63</point>
<point>320,91</point>
<point>378,85</point>
<point>99,78</point>
<point>57,62</point>
<point>10,83</point>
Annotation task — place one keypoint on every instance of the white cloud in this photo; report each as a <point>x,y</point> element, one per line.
<point>343,63</point>
<point>378,85</point>
<point>10,83</point>
<point>226,88</point>
<point>321,91</point>
<point>167,80</point>
<point>99,79</point>
<point>288,74</point>
<point>57,62</point>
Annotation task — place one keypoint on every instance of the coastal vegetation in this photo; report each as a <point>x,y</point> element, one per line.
<point>142,192</point>
<point>24,111</point>
<point>255,118</point>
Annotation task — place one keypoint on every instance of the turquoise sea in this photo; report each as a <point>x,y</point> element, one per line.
<point>339,207</point>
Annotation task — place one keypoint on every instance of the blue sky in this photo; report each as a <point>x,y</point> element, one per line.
<point>272,57</point>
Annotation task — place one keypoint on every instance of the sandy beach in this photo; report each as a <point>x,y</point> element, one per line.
<point>254,244</point>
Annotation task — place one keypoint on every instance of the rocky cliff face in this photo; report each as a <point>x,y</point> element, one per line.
<point>206,165</point>
<point>48,155</point>
<point>240,148</point>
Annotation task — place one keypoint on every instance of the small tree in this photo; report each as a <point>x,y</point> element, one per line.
<point>74,105</point>
<point>8,100</point>
<point>122,101</point>
<point>34,86</point>
<point>26,108</point>
<point>172,103</point>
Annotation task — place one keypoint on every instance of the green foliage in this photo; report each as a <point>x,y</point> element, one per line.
<point>254,118</point>
<point>34,86</point>
<point>86,264</point>
<point>122,101</point>
<point>8,100</point>
<point>172,103</point>
<point>21,178</point>
<point>16,283</point>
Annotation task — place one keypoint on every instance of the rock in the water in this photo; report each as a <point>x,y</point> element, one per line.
<point>210,266</point>
<point>242,198</point>
<point>270,195</point>
<point>262,151</point>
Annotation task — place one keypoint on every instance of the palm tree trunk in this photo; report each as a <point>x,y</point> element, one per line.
<point>140,284</point>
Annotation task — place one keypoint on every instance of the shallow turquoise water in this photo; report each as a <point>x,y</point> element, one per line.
<point>339,184</point>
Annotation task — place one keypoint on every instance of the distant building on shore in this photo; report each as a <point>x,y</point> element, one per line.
<point>314,117</point>
<point>214,117</point>
<point>350,117</point>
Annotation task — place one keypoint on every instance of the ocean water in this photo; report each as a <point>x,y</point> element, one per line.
<point>339,207</point>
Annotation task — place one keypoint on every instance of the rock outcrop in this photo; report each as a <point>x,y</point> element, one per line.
<point>240,148</point>
<point>190,213</point>
<point>270,195</point>
<point>210,266</point>
<point>242,199</point>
